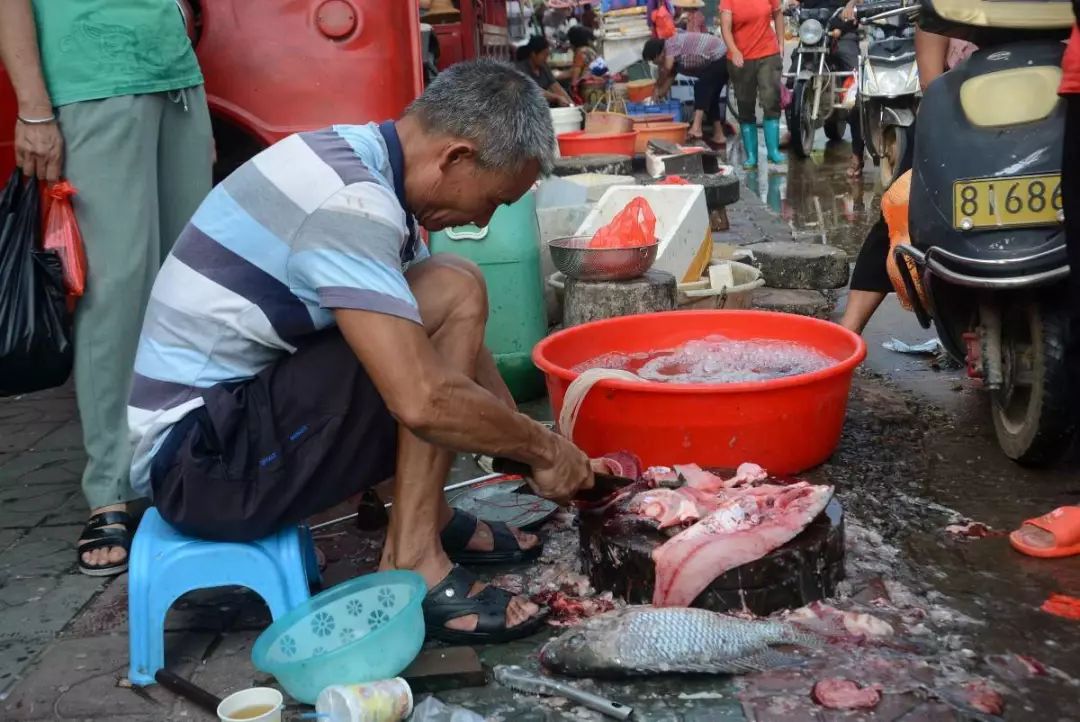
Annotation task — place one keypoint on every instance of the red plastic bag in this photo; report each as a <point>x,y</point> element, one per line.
<point>634,225</point>
<point>62,236</point>
<point>663,23</point>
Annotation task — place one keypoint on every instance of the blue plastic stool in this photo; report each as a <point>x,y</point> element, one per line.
<point>166,564</point>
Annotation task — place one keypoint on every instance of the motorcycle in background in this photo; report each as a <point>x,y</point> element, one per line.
<point>986,263</point>
<point>888,90</point>
<point>816,100</point>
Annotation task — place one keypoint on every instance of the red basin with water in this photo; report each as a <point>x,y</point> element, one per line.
<point>787,424</point>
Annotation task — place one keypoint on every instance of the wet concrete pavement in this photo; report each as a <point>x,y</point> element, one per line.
<point>917,454</point>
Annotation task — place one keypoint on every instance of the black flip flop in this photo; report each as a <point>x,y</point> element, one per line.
<point>449,599</point>
<point>457,534</point>
<point>96,536</point>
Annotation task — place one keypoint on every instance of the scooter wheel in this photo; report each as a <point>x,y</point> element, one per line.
<point>1032,417</point>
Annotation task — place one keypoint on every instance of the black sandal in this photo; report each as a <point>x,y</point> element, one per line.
<point>95,536</point>
<point>449,599</point>
<point>459,532</point>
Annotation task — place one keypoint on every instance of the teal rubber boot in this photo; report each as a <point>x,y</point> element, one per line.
<point>749,144</point>
<point>772,141</point>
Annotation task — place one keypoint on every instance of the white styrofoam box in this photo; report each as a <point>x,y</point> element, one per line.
<point>596,184</point>
<point>621,51</point>
<point>682,225</point>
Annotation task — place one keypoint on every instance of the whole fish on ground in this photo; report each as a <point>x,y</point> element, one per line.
<point>643,640</point>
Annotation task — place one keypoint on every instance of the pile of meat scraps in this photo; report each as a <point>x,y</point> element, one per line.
<point>719,523</point>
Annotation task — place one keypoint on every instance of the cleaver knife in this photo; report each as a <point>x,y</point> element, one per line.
<point>605,485</point>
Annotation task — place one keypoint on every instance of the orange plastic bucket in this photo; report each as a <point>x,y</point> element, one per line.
<point>787,425</point>
<point>674,132</point>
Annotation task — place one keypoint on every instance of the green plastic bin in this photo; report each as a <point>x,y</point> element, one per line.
<point>508,253</point>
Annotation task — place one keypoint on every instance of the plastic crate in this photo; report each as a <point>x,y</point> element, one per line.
<point>669,107</point>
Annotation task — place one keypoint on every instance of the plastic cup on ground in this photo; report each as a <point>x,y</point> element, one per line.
<point>258,704</point>
<point>388,700</point>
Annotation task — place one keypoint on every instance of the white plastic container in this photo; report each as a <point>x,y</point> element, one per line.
<point>388,700</point>
<point>729,285</point>
<point>567,120</point>
<point>682,225</point>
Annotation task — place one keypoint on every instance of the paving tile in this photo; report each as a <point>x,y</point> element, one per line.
<point>15,656</point>
<point>106,614</point>
<point>43,467</point>
<point>228,667</point>
<point>21,436</point>
<point>28,504</point>
<point>43,551</point>
<point>41,606</point>
<point>67,436</point>
<point>86,679</point>
<point>28,410</point>
<point>74,511</point>
<point>8,537</point>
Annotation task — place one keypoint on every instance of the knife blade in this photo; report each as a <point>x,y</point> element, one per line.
<point>605,484</point>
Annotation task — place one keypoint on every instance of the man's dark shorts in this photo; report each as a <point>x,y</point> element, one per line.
<point>303,435</point>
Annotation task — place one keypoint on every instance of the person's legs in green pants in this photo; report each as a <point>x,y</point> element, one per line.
<point>118,150</point>
<point>744,82</point>
<point>769,93</point>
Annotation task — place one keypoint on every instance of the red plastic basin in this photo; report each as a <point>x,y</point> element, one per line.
<point>579,142</point>
<point>787,425</point>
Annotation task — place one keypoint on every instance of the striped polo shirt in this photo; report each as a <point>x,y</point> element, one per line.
<point>309,225</point>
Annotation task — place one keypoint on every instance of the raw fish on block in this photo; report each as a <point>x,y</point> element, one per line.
<point>670,507</point>
<point>641,640</point>
<point>662,476</point>
<point>845,694</point>
<point>702,480</point>
<point>742,529</point>
<point>622,463</point>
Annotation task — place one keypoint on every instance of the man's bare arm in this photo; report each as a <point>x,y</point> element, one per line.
<point>38,148</point>
<point>449,409</point>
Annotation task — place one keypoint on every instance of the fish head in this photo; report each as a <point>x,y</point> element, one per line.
<point>570,652</point>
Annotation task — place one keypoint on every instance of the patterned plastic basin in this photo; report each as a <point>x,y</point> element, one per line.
<point>368,628</point>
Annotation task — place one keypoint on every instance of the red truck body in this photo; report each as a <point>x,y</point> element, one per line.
<point>273,68</point>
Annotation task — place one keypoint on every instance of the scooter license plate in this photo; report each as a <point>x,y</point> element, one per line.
<point>1033,200</point>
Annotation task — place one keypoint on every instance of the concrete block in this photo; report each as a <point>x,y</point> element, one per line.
<point>593,300</point>
<point>787,264</point>
<point>556,223</point>
<point>607,164</point>
<point>787,300</point>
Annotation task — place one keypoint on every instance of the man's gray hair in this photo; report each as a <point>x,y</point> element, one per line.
<point>495,106</point>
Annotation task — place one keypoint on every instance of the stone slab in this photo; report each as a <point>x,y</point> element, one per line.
<point>28,504</point>
<point>43,551</point>
<point>593,300</point>
<point>788,264</point>
<point>229,668</point>
<point>19,436</point>
<point>606,164</point>
<point>34,607</point>
<point>31,410</point>
<point>720,190</point>
<point>15,656</point>
<point>87,679</point>
<point>67,437</point>
<point>43,467</point>
<point>786,300</point>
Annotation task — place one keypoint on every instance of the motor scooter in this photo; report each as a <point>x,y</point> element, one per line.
<point>888,91</point>
<point>818,86</point>
<point>987,264</point>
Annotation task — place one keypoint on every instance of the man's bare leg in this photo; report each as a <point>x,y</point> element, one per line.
<point>453,307</point>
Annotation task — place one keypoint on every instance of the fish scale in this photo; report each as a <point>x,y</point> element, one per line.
<point>648,640</point>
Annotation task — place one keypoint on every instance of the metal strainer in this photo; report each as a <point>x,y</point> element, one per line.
<point>576,260</point>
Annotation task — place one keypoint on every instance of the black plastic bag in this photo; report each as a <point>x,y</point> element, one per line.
<point>35,327</point>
